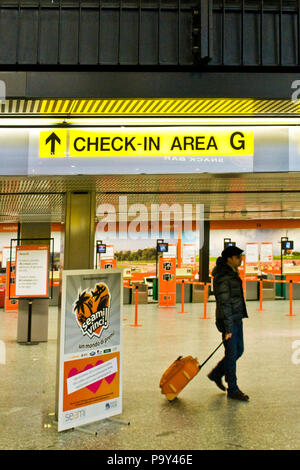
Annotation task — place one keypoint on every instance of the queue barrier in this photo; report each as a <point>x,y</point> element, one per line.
<point>182,296</point>
<point>136,288</point>
<point>206,284</point>
<point>261,280</point>
<point>290,282</point>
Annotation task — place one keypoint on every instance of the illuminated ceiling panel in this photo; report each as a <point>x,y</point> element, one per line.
<point>225,197</point>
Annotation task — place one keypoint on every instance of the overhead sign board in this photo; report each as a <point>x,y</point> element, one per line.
<point>53,144</point>
<point>146,142</point>
<point>151,150</point>
<point>141,149</point>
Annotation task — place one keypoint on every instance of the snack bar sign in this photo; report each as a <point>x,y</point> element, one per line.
<point>146,142</point>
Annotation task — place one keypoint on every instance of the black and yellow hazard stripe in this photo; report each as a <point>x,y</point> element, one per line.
<point>150,107</point>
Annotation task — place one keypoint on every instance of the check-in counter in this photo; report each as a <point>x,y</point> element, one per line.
<point>197,293</point>
<point>252,284</point>
<point>186,275</point>
<point>149,281</point>
<point>187,292</point>
<point>252,288</point>
<point>127,293</point>
<point>292,272</point>
<point>126,274</point>
<point>268,287</point>
<point>142,292</point>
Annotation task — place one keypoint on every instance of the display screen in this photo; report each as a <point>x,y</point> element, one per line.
<point>101,248</point>
<point>167,266</point>
<point>226,244</point>
<point>162,247</point>
<point>287,245</point>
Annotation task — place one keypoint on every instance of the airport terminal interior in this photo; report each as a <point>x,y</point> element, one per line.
<point>138,140</point>
<point>255,213</point>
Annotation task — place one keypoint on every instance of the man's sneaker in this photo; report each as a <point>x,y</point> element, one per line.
<point>218,381</point>
<point>238,395</point>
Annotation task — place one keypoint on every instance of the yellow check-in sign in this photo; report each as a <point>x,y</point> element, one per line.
<point>53,143</point>
<point>149,142</point>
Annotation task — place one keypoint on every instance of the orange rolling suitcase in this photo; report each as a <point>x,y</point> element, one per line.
<point>180,373</point>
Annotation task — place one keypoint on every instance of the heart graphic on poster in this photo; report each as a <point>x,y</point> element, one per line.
<point>94,386</point>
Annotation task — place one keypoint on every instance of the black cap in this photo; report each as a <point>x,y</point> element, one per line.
<point>231,251</point>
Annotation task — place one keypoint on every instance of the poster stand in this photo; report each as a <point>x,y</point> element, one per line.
<point>52,422</point>
<point>30,299</point>
<point>29,342</point>
<point>122,422</point>
<point>89,366</point>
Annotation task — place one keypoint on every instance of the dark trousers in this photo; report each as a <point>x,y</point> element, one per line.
<point>234,348</point>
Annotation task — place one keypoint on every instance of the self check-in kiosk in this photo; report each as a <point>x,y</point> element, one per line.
<point>167,282</point>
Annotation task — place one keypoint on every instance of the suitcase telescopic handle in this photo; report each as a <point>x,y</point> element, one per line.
<point>201,365</point>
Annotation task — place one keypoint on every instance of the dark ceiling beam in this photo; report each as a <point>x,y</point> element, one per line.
<point>155,84</point>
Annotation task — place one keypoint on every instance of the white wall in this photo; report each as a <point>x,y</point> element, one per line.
<point>243,236</point>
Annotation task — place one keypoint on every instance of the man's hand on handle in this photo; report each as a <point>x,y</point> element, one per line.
<point>227,336</point>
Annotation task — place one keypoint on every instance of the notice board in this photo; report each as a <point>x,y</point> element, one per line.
<point>32,271</point>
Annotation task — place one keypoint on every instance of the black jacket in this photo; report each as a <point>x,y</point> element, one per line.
<point>228,290</point>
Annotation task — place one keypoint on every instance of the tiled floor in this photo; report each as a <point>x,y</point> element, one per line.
<point>202,418</point>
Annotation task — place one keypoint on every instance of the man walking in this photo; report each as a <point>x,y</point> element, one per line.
<point>230,310</point>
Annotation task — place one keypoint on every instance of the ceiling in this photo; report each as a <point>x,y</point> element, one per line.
<point>224,196</point>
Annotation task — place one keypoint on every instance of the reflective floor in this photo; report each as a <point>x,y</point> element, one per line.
<point>202,418</point>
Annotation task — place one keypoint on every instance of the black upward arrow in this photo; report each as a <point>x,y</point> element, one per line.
<point>53,138</point>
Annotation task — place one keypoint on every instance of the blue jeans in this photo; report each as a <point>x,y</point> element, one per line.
<point>234,348</point>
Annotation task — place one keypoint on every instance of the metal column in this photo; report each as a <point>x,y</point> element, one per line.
<point>79,230</point>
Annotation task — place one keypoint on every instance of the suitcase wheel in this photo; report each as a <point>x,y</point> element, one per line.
<point>171,396</point>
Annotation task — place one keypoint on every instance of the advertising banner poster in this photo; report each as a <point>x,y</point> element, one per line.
<point>90,374</point>
<point>109,253</point>
<point>252,253</point>
<point>266,252</point>
<point>6,254</point>
<point>172,251</point>
<point>108,263</point>
<point>11,304</point>
<point>167,282</point>
<point>32,271</point>
<point>188,253</point>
